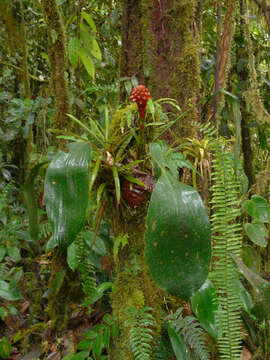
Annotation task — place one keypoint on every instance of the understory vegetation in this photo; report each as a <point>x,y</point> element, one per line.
<point>134,180</point>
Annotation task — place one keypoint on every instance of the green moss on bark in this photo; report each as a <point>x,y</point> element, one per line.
<point>133,285</point>
<point>58,62</point>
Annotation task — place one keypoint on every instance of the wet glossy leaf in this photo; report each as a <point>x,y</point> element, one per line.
<point>89,20</point>
<point>204,305</point>
<point>14,253</point>
<point>73,50</point>
<point>258,208</point>
<point>66,192</point>
<point>257,233</point>
<point>177,238</point>
<point>72,259</point>
<point>178,344</point>
<point>8,293</point>
<point>95,50</point>
<point>87,62</point>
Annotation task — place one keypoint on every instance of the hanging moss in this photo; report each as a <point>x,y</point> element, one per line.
<point>58,62</point>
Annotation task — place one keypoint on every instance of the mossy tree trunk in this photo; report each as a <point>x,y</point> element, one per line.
<point>160,46</point>
<point>133,285</point>
<point>58,62</point>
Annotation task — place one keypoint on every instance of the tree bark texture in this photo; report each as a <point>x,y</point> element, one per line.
<point>133,286</point>
<point>58,62</point>
<point>160,46</point>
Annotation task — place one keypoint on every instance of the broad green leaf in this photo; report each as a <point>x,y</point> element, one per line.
<point>257,233</point>
<point>7,293</point>
<point>72,259</point>
<point>178,344</point>
<point>89,20</point>
<point>245,297</point>
<point>95,50</point>
<point>99,247</point>
<point>100,292</point>
<point>205,305</point>
<point>51,244</point>
<point>66,192</point>
<point>5,348</point>
<point>86,36</point>
<point>81,355</point>
<point>68,357</point>
<point>85,344</point>
<point>87,62</point>
<point>177,237</point>
<point>73,51</point>
<point>258,208</point>
<point>14,253</point>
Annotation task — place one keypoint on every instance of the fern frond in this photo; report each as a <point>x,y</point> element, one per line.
<point>86,268</point>
<point>227,240</point>
<point>190,329</point>
<point>140,323</point>
<point>209,131</point>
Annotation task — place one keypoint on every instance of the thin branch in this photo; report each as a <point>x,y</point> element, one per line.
<point>21,70</point>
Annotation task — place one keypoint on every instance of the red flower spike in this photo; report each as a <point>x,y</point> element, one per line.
<point>140,94</point>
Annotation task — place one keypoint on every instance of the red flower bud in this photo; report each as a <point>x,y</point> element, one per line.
<point>140,94</point>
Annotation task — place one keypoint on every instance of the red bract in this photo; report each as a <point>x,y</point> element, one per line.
<point>134,193</point>
<point>140,94</point>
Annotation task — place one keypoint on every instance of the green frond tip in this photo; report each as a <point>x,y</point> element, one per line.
<point>227,241</point>
<point>140,323</point>
<point>187,336</point>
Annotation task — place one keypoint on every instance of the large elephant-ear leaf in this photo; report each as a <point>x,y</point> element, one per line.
<point>177,238</point>
<point>66,192</point>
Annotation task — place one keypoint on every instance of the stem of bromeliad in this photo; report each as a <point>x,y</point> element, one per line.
<point>140,94</point>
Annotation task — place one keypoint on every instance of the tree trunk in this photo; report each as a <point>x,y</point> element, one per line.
<point>160,46</point>
<point>133,286</point>
<point>58,62</point>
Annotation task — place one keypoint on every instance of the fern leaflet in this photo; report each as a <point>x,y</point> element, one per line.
<point>86,268</point>
<point>140,323</point>
<point>190,329</point>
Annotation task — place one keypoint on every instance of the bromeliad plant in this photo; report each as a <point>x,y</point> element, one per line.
<point>112,165</point>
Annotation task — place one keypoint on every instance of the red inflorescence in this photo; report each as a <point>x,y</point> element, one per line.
<point>140,94</point>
